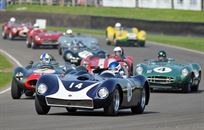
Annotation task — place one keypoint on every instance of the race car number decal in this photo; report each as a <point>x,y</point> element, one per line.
<point>85,54</point>
<point>76,86</point>
<point>129,92</point>
<point>162,69</point>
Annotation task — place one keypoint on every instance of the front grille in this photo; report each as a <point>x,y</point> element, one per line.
<point>70,103</point>
<point>49,41</point>
<point>32,82</point>
<point>160,79</point>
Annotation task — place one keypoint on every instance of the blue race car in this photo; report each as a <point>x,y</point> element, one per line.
<point>81,90</point>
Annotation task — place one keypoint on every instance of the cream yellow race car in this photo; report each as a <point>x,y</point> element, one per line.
<point>125,36</point>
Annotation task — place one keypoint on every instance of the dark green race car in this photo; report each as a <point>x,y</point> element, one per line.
<point>170,75</point>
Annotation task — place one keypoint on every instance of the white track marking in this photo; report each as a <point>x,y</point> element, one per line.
<point>176,47</point>
<point>16,62</point>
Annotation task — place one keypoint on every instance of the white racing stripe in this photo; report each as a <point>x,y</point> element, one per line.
<point>16,62</point>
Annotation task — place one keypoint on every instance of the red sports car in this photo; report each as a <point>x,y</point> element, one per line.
<point>93,62</point>
<point>12,30</point>
<point>40,37</point>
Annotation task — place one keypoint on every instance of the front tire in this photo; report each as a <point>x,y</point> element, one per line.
<point>3,34</point>
<point>113,107</point>
<point>139,108</point>
<point>28,44</point>
<point>60,51</point>
<point>33,45</point>
<point>10,36</point>
<point>41,108</point>
<point>187,88</point>
<point>16,91</point>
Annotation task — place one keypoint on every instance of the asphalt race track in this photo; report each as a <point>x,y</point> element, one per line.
<point>166,110</point>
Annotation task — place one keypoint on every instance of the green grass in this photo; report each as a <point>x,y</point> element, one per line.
<point>5,71</point>
<point>135,13</point>
<point>5,78</point>
<point>4,63</point>
<point>189,42</point>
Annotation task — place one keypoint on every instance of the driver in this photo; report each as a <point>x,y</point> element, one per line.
<point>69,32</point>
<point>118,26</point>
<point>162,56</point>
<point>46,58</point>
<point>117,69</point>
<point>118,52</point>
<point>36,26</point>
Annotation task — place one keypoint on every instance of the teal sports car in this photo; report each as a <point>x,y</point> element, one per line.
<point>170,75</point>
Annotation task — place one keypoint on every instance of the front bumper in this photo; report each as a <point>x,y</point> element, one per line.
<point>130,43</point>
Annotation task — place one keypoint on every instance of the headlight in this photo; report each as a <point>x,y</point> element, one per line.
<point>139,70</point>
<point>103,93</point>
<point>37,38</point>
<point>14,30</point>
<point>184,72</point>
<point>69,56</point>
<point>42,88</point>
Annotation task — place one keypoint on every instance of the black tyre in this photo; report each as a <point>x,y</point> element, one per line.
<point>195,87</point>
<point>113,107</point>
<point>71,110</point>
<point>33,45</point>
<point>3,34</point>
<point>139,108</point>
<point>41,107</point>
<point>16,91</point>
<point>10,36</point>
<point>60,51</point>
<point>28,44</point>
<point>187,88</point>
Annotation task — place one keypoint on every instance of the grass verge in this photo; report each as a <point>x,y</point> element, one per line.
<point>189,42</point>
<point>5,71</point>
<point>135,13</point>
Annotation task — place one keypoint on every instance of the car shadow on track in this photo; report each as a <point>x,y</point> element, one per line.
<point>98,113</point>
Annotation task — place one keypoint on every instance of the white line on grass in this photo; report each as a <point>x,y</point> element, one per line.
<point>16,62</point>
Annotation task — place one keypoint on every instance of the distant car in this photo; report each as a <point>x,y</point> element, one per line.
<point>15,30</point>
<point>77,49</point>
<point>24,79</point>
<point>39,37</point>
<point>171,75</point>
<point>94,62</point>
<point>65,42</point>
<point>81,90</point>
<point>125,37</point>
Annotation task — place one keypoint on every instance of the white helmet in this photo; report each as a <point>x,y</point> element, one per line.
<point>35,25</point>
<point>69,32</point>
<point>45,58</point>
<point>118,51</point>
<point>117,25</point>
<point>12,19</point>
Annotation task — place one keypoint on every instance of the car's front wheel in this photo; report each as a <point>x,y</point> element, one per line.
<point>112,108</point>
<point>33,45</point>
<point>41,107</point>
<point>28,44</point>
<point>16,91</point>
<point>139,108</point>
<point>187,88</point>
<point>10,36</point>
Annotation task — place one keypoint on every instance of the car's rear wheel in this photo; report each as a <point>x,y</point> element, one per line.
<point>187,88</point>
<point>112,108</point>
<point>139,108</point>
<point>28,44</point>
<point>60,51</point>
<point>16,91</point>
<point>41,107</point>
<point>3,34</point>
<point>71,110</point>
